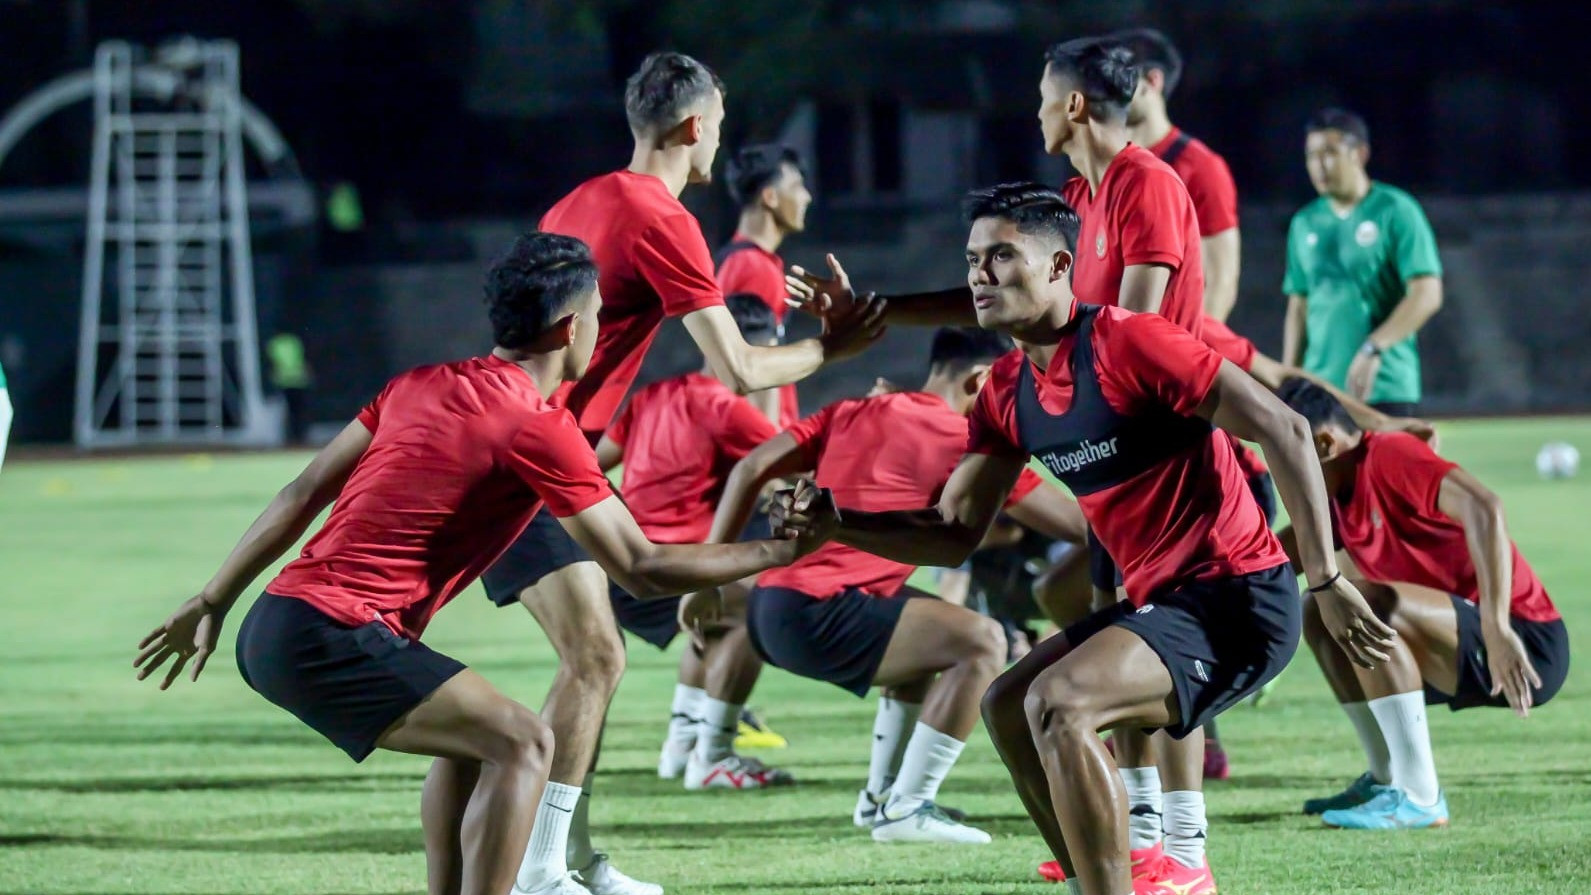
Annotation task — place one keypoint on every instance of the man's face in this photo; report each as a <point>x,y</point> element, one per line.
<point>585,335</point>
<point>1336,161</point>
<point>788,198</point>
<point>1055,98</point>
<point>1332,442</point>
<point>706,146</point>
<point>1015,278</point>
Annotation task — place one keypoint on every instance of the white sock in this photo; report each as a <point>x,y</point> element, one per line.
<point>1143,806</point>
<point>890,726</point>
<point>1185,827</point>
<point>544,855</point>
<point>683,716</point>
<point>929,757</point>
<point>580,852</point>
<point>715,732</point>
<point>1402,720</point>
<point>1371,740</point>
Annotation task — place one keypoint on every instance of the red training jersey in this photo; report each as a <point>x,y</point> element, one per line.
<point>848,443</point>
<point>1240,351</point>
<point>1390,524</point>
<point>1190,517</point>
<point>652,262</point>
<point>1141,214</point>
<point>461,456</point>
<point>681,437</point>
<point>758,271</point>
<point>1208,179</point>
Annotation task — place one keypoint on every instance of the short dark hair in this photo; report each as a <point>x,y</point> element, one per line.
<point>752,315</point>
<point>1032,206</point>
<point>532,286</point>
<point>1336,119</point>
<point>664,87</point>
<point>958,348</point>
<point>1152,49</point>
<point>755,167</point>
<point>1316,405</point>
<point>1105,71</point>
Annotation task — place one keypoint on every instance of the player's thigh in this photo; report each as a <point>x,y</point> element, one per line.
<point>468,719</point>
<point>933,635</point>
<point>1111,678</point>
<point>1426,621</point>
<point>572,606</point>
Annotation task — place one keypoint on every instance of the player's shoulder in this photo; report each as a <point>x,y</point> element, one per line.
<point>1394,200</point>
<point>1396,447</point>
<point>1005,370</point>
<point>1311,210</point>
<point>1140,165</point>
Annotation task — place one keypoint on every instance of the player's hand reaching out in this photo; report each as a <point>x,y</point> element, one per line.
<point>700,611</point>
<point>1362,374</point>
<point>806,513</point>
<point>816,294</point>
<point>1512,674</point>
<point>190,633</point>
<point>1365,638</point>
<point>848,331</point>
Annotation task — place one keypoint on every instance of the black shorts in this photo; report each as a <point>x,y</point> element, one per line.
<point>1547,643</point>
<point>1397,408</point>
<point>543,547</point>
<point>348,683</point>
<point>1264,491</point>
<point>840,640</point>
<point>657,621</point>
<point>1221,640</point>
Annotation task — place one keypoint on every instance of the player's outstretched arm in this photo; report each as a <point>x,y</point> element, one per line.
<point>1273,373</point>
<point>944,535</point>
<point>1143,287</point>
<point>778,457</point>
<point>818,294</point>
<point>609,453</point>
<point>1237,403</point>
<point>1479,510</point>
<point>1050,512</point>
<point>752,368</point>
<point>191,632</point>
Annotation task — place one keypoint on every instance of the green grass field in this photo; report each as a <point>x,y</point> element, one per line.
<point>110,787</point>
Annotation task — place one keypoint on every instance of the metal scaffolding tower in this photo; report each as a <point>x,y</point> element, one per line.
<point>167,351</point>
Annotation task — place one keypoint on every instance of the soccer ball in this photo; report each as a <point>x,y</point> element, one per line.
<point>1557,460</point>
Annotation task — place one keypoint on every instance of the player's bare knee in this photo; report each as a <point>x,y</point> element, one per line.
<point>1055,704</point>
<point>515,735</point>
<point>1002,707</point>
<point>597,660</point>
<point>988,648</point>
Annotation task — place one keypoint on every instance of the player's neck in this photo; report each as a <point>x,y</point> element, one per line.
<point>1347,201</point>
<point>1041,339</point>
<point>949,391</point>
<point>1095,149</point>
<point>1154,128</point>
<point>671,165</point>
<point>545,367</point>
<point>758,226</point>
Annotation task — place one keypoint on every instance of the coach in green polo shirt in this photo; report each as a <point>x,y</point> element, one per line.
<point>1362,273</point>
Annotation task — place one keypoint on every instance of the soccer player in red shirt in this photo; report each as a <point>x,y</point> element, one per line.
<point>1120,407</point>
<point>1475,625</point>
<point>768,183</point>
<point>841,616</point>
<point>653,262</point>
<point>678,440</point>
<point>430,483</point>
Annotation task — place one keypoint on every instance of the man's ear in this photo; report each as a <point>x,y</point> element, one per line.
<point>1077,107</point>
<point>690,130</point>
<point>1363,150</point>
<point>562,333</point>
<point>1060,265</point>
<point>1327,447</point>
<point>1155,78</point>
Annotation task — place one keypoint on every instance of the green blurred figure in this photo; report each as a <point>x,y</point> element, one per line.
<point>290,374</point>
<point>5,416</point>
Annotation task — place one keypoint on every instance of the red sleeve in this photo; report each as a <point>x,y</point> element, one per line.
<point>672,256</point>
<point>619,432</point>
<point>739,428</point>
<point>1026,484</point>
<point>1145,361</point>
<point>1406,467</point>
<point>1150,224</point>
<point>551,455</point>
<point>810,432</point>
<point>370,415</point>
<point>1214,196</point>
<point>751,270</point>
<point>1227,343</point>
<point>991,427</point>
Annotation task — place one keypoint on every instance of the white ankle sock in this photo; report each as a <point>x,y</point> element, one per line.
<point>715,733</point>
<point>1402,720</point>
<point>1143,806</point>
<point>580,852</point>
<point>890,726</point>
<point>929,757</point>
<point>1370,740</point>
<point>1185,827</point>
<point>683,716</point>
<point>544,855</point>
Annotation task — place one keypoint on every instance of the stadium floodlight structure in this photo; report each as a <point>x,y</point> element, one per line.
<point>168,351</point>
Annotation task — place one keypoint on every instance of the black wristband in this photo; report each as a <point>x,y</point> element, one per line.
<point>1326,584</point>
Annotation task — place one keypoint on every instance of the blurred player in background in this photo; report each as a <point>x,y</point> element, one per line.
<point>1475,625</point>
<point>5,416</point>
<point>1363,274</point>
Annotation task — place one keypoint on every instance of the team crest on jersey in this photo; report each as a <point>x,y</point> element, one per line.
<point>1366,234</point>
<point>1099,245</point>
<point>1311,239</point>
